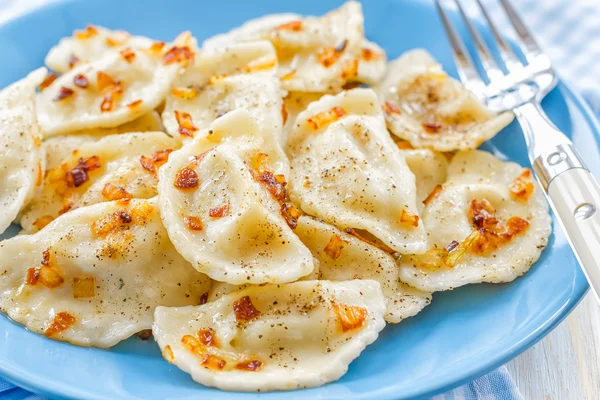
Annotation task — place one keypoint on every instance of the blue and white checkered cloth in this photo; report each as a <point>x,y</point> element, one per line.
<point>497,385</point>
<point>568,31</point>
<point>9,391</point>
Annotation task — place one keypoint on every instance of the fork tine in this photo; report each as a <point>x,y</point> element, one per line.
<point>528,44</point>
<point>464,63</point>
<point>506,52</point>
<point>487,59</point>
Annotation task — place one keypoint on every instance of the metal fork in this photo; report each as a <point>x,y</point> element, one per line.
<point>520,86</point>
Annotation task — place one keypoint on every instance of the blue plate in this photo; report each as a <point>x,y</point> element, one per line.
<point>463,334</point>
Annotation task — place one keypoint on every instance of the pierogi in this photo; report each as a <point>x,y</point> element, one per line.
<point>273,337</point>
<point>346,170</point>
<point>116,167</point>
<point>225,209</point>
<point>22,157</point>
<point>94,276</point>
<point>262,205</point>
<point>489,222</point>
<point>316,54</point>
<point>432,110</point>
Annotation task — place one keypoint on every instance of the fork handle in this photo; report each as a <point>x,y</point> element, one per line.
<point>574,195</point>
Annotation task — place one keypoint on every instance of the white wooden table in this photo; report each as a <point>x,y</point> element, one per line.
<point>565,365</point>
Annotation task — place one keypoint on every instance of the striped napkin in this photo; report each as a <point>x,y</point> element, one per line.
<point>569,32</point>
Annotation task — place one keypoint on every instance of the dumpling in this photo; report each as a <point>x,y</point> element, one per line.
<point>110,91</point>
<point>227,212</point>
<point>22,159</point>
<point>60,147</point>
<point>89,45</point>
<point>273,337</point>
<point>429,168</point>
<point>256,57</point>
<point>219,289</point>
<point>489,223</point>
<point>114,168</point>
<point>343,257</point>
<point>251,30</point>
<point>94,276</point>
<point>226,79</point>
<point>346,170</point>
<point>372,64</point>
<point>294,103</point>
<point>429,109</point>
<point>316,54</point>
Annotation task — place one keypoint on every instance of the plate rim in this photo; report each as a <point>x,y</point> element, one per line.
<point>23,379</point>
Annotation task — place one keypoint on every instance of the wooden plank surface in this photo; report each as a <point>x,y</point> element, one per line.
<point>565,365</point>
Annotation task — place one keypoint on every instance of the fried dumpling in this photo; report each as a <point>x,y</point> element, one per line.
<point>489,223</point>
<point>343,256</point>
<point>110,91</point>
<point>225,79</point>
<point>316,54</point>
<point>273,337</point>
<point>429,109</point>
<point>94,276</point>
<point>22,159</point>
<point>225,209</point>
<point>346,170</point>
<point>115,167</point>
